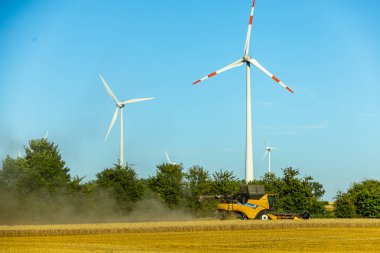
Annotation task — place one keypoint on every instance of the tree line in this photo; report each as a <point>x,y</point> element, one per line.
<point>38,188</point>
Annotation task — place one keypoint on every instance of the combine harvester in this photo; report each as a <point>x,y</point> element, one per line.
<point>253,203</point>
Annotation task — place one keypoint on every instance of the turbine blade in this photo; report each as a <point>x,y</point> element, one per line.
<point>266,145</point>
<point>266,152</point>
<point>46,135</point>
<point>230,66</point>
<point>259,66</point>
<point>248,38</point>
<point>108,89</point>
<point>167,157</point>
<point>112,122</point>
<point>135,100</point>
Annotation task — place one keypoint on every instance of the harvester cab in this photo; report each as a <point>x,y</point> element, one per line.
<point>253,203</point>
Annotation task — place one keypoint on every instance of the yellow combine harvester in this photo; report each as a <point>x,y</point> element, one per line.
<point>253,203</point>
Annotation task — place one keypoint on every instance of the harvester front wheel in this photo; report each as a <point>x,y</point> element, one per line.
<point>262,216</point>
<point>241,216</point>
<point>223,214</point>
<point>305,215</point>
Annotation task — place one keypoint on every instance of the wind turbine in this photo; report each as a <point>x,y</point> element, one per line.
<point>268,149</point>
<point>167,158</point>
<point>246,59</point>
<point>119,108</point>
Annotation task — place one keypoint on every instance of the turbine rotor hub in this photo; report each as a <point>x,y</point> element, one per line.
<point>246,58</point>
<point>119,104</point>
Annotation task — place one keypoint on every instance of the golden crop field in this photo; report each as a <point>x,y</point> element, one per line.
<point>197,236</point>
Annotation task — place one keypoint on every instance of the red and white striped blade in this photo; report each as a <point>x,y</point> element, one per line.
<point>259,66</point>
<point>247,40</point>
<point>230,66</point>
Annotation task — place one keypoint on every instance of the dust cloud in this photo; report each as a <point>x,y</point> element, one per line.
<point>153,210</point>
<point>64,208</point>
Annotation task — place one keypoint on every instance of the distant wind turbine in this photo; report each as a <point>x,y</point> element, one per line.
<point>247,60</point>
<point>167,158</point>
<point>119,108</point>
<point>268,149</point>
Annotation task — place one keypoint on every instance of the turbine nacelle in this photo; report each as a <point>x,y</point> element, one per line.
<point>268,150</point>
<point>120,105</point>
<point>246,58</point>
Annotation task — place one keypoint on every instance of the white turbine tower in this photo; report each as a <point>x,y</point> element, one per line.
<point>119,108</point>
<point>268,149</point>
<point>246,59</point>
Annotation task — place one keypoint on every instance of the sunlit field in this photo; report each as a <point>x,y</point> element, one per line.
<point>197,236</point>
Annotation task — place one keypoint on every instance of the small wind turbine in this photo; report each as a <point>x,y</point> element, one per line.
<point>167,158</point>
<point>268,149</point>
<point>247,60</point>
<point>119,107</point>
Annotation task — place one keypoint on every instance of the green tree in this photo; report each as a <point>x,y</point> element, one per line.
<point>344,207</point>
<point>46,170</point>
<point>42,169</point>
<point>122,184</point>
<point>296,194</point>
<point>38,184</point>
<point>198,191</point>
<point>270,181</point>
<point>168,184</point>
<point>361,199</point>
<point>317,190</point>
<point>10,176</point>
<point>12,172</point>
<point>225,183</point>
<point>198,181</point>
<point>293,193</point>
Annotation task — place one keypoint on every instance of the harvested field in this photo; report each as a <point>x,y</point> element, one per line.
<point>182,226</point>
<point>197,236</point>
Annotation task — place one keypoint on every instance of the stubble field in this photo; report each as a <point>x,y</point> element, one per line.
<point>332,235</point>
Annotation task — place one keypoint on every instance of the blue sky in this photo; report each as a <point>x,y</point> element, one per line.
<point>328,52</point>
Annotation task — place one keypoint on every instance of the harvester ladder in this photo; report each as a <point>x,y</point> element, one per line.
<point>230,206</point>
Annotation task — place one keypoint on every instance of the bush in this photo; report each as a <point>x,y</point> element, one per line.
<point>361,200</point>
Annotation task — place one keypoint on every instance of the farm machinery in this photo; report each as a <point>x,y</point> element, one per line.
<point>253,203</point>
